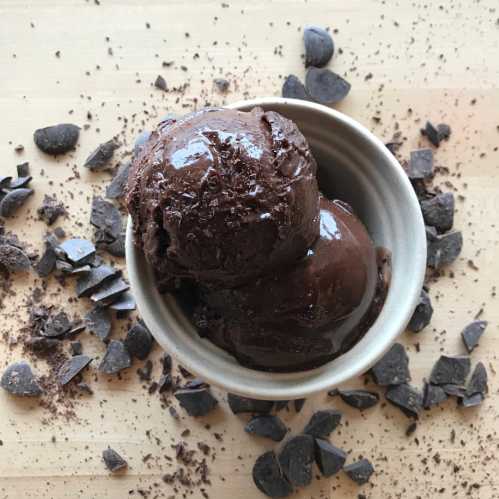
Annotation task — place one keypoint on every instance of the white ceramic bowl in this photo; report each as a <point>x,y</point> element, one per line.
<point>355,166</point>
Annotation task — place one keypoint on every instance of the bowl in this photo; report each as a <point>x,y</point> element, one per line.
<point>356,167</point>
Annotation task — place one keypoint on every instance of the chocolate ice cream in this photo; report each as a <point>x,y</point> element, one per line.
<point>307,314</point>
<point>223,197</point>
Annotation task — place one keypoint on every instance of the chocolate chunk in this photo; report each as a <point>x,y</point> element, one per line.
<point>113,461</point>
<point>433,395</point>
<point>471,400</point>
<point>293,88</point>
<point>443,131</point>
<point>406,398</point>
<point>432,133</point>
<point>240,405</point>
<point>13,200</point>
<point>421,164</point>
<point>299,403</point>
<point>117,187</point>
<point>57,139</point>
<point>329,458</point>
<point>393,368</point>
<point>13,258</point>
<point>324,86</point>
<point>100,158</point>
<point>319,46</point>
<point>444,249</point>
<point>165,383</point>
<point>5,182</point>
<point>438,211</point>
<point>322,423</point>
<point>145,371</point>
<point>56,325</point>
<point>78,251</point>
<point>109,291</point>
<point>42,344</point>
<point>107,218</point>
<point>360,471</point>
<point>478,382</point>
<point>360,399</point>
<point>72,367</point>
<point>76,347</point>
<point>198,402</point>
<point>160,83</point>
<point>47,262</point>
<point>454,390</point>
<point>267,426</point>
<point>296,459</point>
<point>422,313</point>
<point>116,358</point>
<point>98,321</point>
<point>20,182</point>
<point>139,341</point>
<point>50,210</point>
<point>124,303</point>
<point>472,333</point>
<point>222,84</point>
<point>268,476</point>
<point>453,370</point>
<point>18,379</point>
<point>23,170</point>
<point>91,281</point>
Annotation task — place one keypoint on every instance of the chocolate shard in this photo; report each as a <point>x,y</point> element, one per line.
<point>393,368</point>
<point>124,303</point>
<point>20,182</point>
<point>450,370</point>
<point>113,461</point>
<point>329,459</point>
<point>406,398</point>
<point>293,88</point>
<point>116,358</point>
<point>267,426</point>
<point>72,367</point>
<point>478,382</point>
<point>472,333</point>
<point>57,139</point>
<point>78,251</point>
<point>76,347</point>
<point>444,249</point>
<point>296,459</point>
<point>109,291</point>
<point>18,379</point>
<point>222,84</point>
<point>57,325</point>
<point>99,321</point>
<point>422,314</point>
<point>139,341</point>
<point>360,472</point>
<point>14,259</point>
<point>359,399</point>
<point>438,211</point>
<point>472,400</point>
<point>100,158</point>
<point>13,200</point>
<point>50,210</point>
<point>240,405</point>
<point>319,46</point>
<point>268,476</point>
<point>23,169</point>
<point>107,218</point>
<point>421,164</point>
<point>324,86</point>
<point>91,281</point>
<point>117,187</point>
<point>160,83</point>
<point>299,403</point>
<point>444,131</point>
<point>323,422</point>
<point>116,248</point>
<point>433,395</point>
<point>432,133</point>
<point>197,402</point>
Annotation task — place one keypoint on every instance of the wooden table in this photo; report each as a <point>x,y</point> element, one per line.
<point>438,59</point>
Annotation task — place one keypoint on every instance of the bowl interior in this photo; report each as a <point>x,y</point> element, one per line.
<point>355,167</point>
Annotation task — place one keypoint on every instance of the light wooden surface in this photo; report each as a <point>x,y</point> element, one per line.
<point>433,57</point>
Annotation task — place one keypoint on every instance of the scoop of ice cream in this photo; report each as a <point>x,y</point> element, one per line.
<point>304,315</point>
<point>223,196</point>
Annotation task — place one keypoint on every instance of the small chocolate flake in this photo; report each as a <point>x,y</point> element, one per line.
<point>116,358</point>
<point>99,321</point>
<point>406,398</point>
<point>221,84</point>
<point>267,426</point>
<point>13,200</point>
<point>100,158</point>
<point>13,258</point>
<point>72,367</point>
<point>450,370</point>
<point>50,210</point>
<point>240,405</point>
<point>268,476</point>
<point>23,169</point>
<point>443,131</point>
<point>160,83</point>
<point>359,399</point>
<point>76,347</point>
<point>433,395</point>
<point>329,459</point>
<point>438,211</point>
<point>293,88</point>
<point>411,429</point>
<point>113,461</point>
<point>319,46</point>
<point>198,402</point>
<point>57,139</point>
<point>421,164</point>
<point>444,249</point>
<point>472,333</point>
<point>478,382</point>
<point>139,341</point>
<point>18,379</point>
<point>360,471</point>
<point>323,422</point>
<point>422,313</point>
<point>78,251</point>
<point>326,87</point>
<point>393,368</point>
<point>432,133</point>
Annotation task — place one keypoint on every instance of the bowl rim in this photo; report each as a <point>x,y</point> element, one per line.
<point>305,385</point>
